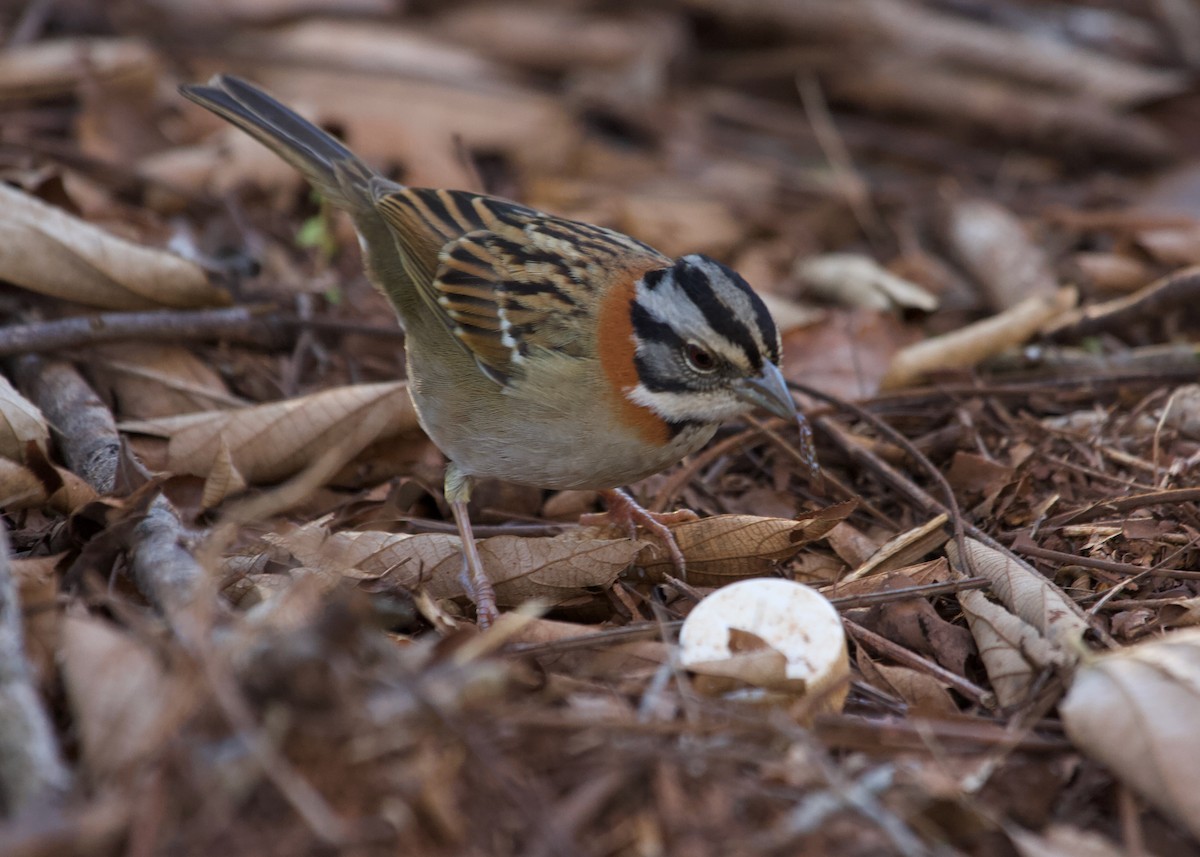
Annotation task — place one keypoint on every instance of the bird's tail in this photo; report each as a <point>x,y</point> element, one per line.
<point>332,169</point>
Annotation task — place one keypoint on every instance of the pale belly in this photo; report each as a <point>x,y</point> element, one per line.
<point>570,442</point>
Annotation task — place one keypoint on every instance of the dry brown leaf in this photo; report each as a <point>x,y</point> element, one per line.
<point>849,354</point>
<point>933,571</point>
<point>150,380</point>
<point>916,625</point>
<point>554,569</point>
<point>925,695</point>
<point>731,547</point>
<point>997,249</point>
<point>269,442</point>
<point>20,488</point>
<point>125,703</point>
<point>1061,840</point>
<point>57,66</point>
<point>374,47</point>
<point>1012,650</point>
<point>968,345</point>
<point>1182,613</point>
<point>548,38</point>
<point>532,127</point>
<point>677,222</point>
<point>1026,593</point>
<point>46,250</point>
<point>37,584</point>
<point>20,423</point>
<point>1134,710</point>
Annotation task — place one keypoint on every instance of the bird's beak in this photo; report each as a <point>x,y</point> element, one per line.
<point>768,391</point>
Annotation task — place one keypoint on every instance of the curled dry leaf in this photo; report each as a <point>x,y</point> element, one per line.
<point>20,423</point>
<point>903,549</point>
<point>125,703</point>
<point>969,345</point>
<point>1134,710</point>
<point>265,443</point>
<point>769,633</point>
<point>554,569</point>
<point>731,547</point>
<point>1012,650</point>
<point>1025,592</point>
<point>925,695</point>
<point>860,281</point>
<point>46,250</point>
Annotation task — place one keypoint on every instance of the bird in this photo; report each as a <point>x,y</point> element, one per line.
<point>539,350</point>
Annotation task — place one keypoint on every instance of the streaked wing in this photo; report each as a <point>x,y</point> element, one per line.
<point>510,280</point>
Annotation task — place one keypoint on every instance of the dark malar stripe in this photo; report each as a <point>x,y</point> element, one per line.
<point>649,329</point>
<point>721,317</point>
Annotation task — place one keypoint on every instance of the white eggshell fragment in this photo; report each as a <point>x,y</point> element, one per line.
<point>770,633</point>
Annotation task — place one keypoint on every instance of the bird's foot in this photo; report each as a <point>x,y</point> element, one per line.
<point>623,510</point>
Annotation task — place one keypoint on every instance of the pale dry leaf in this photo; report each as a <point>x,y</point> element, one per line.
<point>50,67</point>
<point>904,548</point>
<point>730,547</point>
<point>553,569</point>
<point>20,423</point>
<point>790,314</point>
<point>933,571</point>
<point>963,348</point>
<point>1134,710</point>
<point>1012,650</point>
<point>854,280</point>
<point>46,250</point>
<point>1025,592</point>
<point>125,703</point>
<point>223,479</point>
<point>270,442</point>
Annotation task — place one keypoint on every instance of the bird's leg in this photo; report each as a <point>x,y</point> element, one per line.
<point>623,509</point>
<point>474,578</point>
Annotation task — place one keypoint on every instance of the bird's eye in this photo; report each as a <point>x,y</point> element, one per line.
<point>700,359</point>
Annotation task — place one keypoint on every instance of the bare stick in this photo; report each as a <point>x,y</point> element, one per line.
<point>84,428</point>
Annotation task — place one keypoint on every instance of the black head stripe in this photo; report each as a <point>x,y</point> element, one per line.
<point>651,279</point>
<point>695,282</point>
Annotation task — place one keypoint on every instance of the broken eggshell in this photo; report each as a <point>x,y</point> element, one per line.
<point>767,638</point>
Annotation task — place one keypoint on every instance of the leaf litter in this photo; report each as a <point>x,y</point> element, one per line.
<point>241,623</point>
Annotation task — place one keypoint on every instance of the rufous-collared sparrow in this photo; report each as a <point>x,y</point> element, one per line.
<point>540,350</point>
